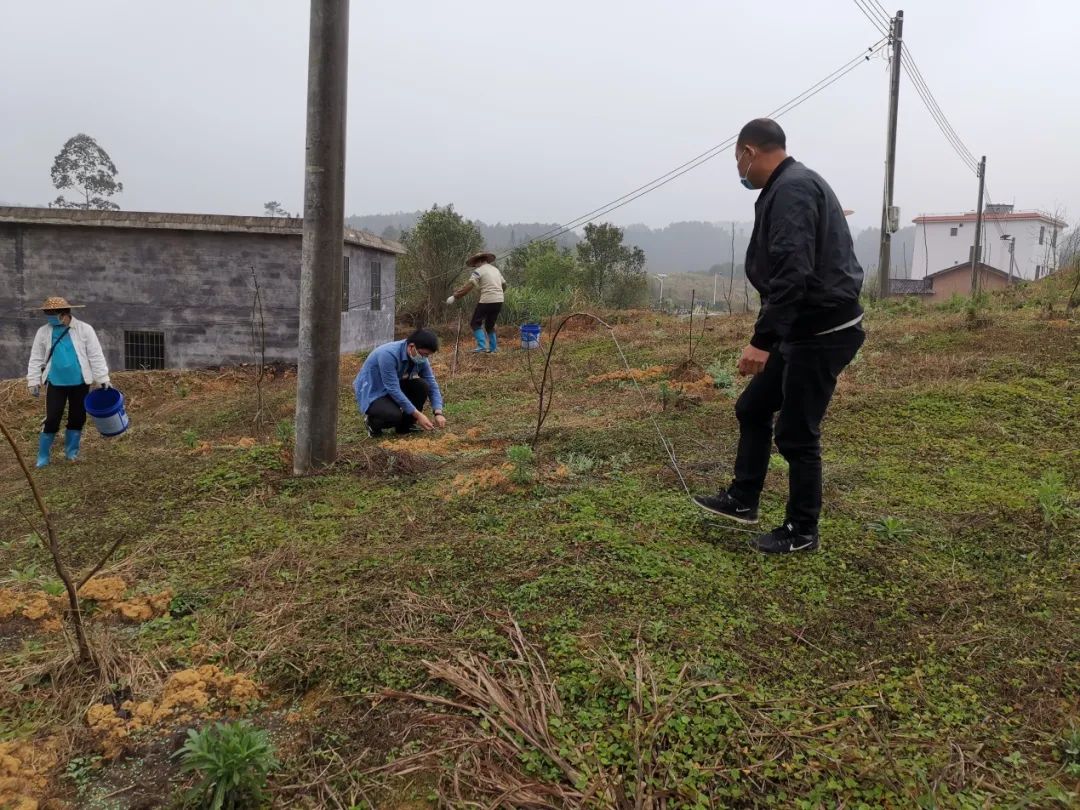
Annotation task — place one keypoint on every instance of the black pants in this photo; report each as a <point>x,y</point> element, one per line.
<point>56,397</point>
<point>385,413</point>
<point>485,314</point>
<point>797,383</point>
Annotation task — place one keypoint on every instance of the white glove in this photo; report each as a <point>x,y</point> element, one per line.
<point>451,299</point>
<point>35,390</point>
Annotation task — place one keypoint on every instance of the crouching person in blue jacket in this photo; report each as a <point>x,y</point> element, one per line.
<point>395,383</point>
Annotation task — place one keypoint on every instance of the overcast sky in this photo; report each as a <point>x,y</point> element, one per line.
<point>537,111</point>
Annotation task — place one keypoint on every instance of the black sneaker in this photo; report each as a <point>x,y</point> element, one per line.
<point>724,505</point>
<point>785,540</point>
<point>371,432</point>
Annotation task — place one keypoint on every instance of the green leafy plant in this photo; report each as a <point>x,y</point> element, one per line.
<point>720,371</point>
<point>1069,751</point>
<point>1052,496</point>
<point>890,529</point>
<point>579,463</point>
<point>285,431</point>
<point>25,576</point>
<point>233,759</point>
<point>522,457</point>
<point>190,439</point>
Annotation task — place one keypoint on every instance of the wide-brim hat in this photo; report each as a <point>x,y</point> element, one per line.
<point>480,258</point>
<point>57,302</point>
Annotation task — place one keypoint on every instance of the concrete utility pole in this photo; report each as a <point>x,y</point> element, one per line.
<point>324,234</point>
<point>889,216</point>
<point>976,251</point>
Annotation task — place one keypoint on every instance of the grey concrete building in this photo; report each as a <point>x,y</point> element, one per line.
<point>177,290</point>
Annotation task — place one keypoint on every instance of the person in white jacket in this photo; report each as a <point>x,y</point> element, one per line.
<point>67,359</point>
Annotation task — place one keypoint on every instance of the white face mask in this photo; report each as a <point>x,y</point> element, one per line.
<point>418,358</point>
<point>745,178</point>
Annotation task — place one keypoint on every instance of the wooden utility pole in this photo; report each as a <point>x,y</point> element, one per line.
<point>889,216</point>
<point>976,251</point>
<point>319,347</point>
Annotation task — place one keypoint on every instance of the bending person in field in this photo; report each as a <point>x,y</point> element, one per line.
<point>484,277</point>
<point>802,262</point>
<point>396,382</point>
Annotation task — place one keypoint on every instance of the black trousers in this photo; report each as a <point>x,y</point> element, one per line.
<point>56,397</point>
<point>385,413</point>
<point>794,389</point>
<point>485,314</point>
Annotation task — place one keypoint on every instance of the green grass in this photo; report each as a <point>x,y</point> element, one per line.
<point>925,657</point>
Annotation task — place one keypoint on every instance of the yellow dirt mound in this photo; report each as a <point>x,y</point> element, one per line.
<point>204,691</point>
<point>489,478</point>
<point>24,772</point>
<point>638,374</point>
<point>109,592</point>
<point>105,590</point>
<point>37,607</point>
<point>441,446</point>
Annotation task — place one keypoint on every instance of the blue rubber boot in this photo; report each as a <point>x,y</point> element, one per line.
<point>481,344</point>
<point>71,444</point>
<point>493,343</point>
<point>45,443</point>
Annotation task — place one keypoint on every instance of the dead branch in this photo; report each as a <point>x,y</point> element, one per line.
<point>85,655</point>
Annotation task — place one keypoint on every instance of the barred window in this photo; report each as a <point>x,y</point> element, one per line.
<point>345,286</point>
<point>376,285</point>
<point>144,351</point>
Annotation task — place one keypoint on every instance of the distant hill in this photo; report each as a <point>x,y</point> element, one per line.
<point>681,247</point>
<point>497,237</point>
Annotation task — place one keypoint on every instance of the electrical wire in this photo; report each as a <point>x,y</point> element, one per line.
<point>708,154</point>
<point>913,73</point>
<point>869,13</point>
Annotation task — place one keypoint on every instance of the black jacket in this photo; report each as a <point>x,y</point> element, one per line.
<point>801,259</point>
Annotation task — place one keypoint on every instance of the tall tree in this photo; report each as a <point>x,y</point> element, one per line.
<point>274,209</point>
<point>614,272</point>
<point>437,249</point>
<point>85,168</point>
<point>543,266</point>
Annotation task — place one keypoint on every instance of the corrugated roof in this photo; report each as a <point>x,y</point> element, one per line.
<point>983,268</point>
<point>992,216</point>
<point>910,286</point>
<point>214,223</point>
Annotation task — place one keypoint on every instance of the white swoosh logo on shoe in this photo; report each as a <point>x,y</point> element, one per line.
<point>793,547</point>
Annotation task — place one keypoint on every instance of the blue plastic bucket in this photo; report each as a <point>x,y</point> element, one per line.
<point>106,407</point>
<point>530,336</point>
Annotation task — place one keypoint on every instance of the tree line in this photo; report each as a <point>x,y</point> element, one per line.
<point>544,277</point>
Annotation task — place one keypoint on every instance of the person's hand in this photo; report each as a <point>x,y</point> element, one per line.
<point>440,421</point>
<point>35,390</point>
<point>451,299</point>
<point>753,360</point>
<point>423,421</point>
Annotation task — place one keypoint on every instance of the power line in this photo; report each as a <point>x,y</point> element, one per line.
<point>708,154</point>
<point>938,118</point>
<point>868,12</point>
<point>946,127</point>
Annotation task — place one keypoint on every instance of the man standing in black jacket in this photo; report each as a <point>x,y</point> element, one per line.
<point>801,260</point>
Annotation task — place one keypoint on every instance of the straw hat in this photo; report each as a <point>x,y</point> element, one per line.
<point>480,258</point>
<point>57,302</point>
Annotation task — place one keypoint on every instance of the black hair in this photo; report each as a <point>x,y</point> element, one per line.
<point>424,339</point>
<point>64,311</point>
<point>764,133</point>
